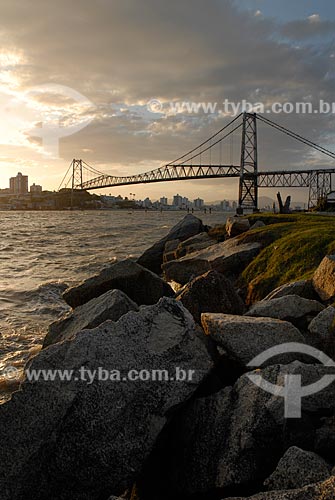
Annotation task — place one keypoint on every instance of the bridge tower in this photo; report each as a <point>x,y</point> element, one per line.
<point>77,177</point>
<point>320,185</point>
<point>248,187</point>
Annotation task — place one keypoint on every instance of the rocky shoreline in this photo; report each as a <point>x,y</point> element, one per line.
<point>207,429</point>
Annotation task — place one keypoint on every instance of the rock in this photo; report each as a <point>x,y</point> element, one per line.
<point>211,292</point>
<point>303,288</point>
<point>324,278</point>
<point>236,225</point>
<point>198,242</point>
<point>320,491</point>
<point>296,469</point>
<point>189,226</point>
<point>185,269</point>
<point>325,439</point>
<point>218,232</point>
<point>111,305</point>
<point>170,250</point>
<point>74,439</point>
<point>323,325</point>
<point>231,441</point>
<point>257,225</point>
<point>243,338</point>
<point>140,284</point>
<point>288,308</point>
<point>229,258</point>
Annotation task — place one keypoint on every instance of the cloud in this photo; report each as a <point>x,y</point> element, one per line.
<point>308,28</point>
<point>120,54</point>
<point>314,18</point>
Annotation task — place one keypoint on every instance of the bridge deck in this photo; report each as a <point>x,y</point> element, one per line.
<point>278,178</point>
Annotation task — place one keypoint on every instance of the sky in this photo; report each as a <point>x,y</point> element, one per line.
<point>76,79</point>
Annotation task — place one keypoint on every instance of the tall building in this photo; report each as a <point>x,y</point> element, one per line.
<point>19,184</point>
<point>198,203</point>
<point>177,201</point>
<point>35,188</point>
<point>163,200</point>
<point>225,205</point>
<point>185,202</point>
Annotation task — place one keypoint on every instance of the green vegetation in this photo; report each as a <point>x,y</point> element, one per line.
<point>293,247</point>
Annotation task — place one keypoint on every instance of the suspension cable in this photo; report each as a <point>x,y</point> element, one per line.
<point>205,142</point>
<point>298,137</point>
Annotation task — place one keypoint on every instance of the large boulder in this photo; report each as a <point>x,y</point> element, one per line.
<point>236,225</point>
<point>189,226</point>
<point>231,441</point>
<point>323,326</point>
<point>193,244</point>
<point>243,338</point>
<point>324,279</point>
<point>88,438</point>
<point>288,308</point>
<point>296,469</point>
<point>303,288</point>
<point>111,305</point>
<point>140,284</point>
<point>170,250</point>
<point>229,258</point>
<point>319,491</point>
<point>211,292</point>
<point>325,439</point>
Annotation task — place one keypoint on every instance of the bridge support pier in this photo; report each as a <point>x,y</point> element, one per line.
<point>248,186</point>
<point>320,185</point>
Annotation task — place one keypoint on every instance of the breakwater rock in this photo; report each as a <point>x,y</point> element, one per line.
<point>142,393</point>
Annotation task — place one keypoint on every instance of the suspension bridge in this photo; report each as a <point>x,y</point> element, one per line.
<point>209,161</point>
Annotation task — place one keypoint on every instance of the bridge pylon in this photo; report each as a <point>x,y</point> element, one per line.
<point>248,186</point>
<point>77,177</point>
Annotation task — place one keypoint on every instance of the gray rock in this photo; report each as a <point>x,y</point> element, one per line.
<point>170,250</point>
<point>189,226</point>
<point>195,243</point>
<point>243,338</point>
<point>289,308</point>
<point>320,491</point>
<point>211,292</point>
<point>229,258</point>
<point>232,440</point>
<point>111,305</point>
<point>236,225</point>
<point>324,325</point>
<point>140,284</point>
<point>325,439</point>
<point>257,225</point>
<point>65,440</point>
<point>296,469</point>
<point>185,269</point>
<point>324,278</point>
<point>303,288</point>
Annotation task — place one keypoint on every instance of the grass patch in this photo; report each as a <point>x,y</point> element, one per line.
<point>292,250</point>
